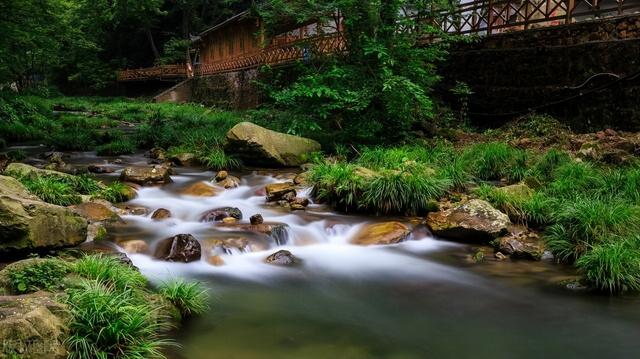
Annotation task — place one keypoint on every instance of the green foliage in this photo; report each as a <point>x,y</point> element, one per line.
<point>112,322</point>
<point>613,266</point>
<point>76,139</point>
<point>84,184</point>
<point>110,271</point>
<point>51,190</point>
<point>46,274</point>
<point>117,148</point>
<point>377,90</point>
<point>495,160</point>
<point>114,192</point>
<point>191,298</point>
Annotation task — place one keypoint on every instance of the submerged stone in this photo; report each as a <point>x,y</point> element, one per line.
<point>381,233</point>
<point>180,248</point>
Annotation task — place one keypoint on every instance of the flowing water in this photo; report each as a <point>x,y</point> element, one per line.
<point>419,299</point>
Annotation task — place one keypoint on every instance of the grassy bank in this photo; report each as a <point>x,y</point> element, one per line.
<point>117,126</point>
<point>589,213</point>
<point>113,311</point>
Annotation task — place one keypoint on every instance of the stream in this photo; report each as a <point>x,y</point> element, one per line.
<point>419,299</point>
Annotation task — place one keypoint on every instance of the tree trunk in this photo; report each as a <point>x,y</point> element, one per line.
<point>156,53</point>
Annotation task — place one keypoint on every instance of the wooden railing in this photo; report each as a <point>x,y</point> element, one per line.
<point>488,17</point>
<point>481,17</point>
<point>277,54</point>
<point>162,72</point>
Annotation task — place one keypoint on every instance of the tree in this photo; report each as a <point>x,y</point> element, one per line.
<point>380,87</point>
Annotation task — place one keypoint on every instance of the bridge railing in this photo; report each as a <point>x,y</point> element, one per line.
<point>487,17</point>
<point>154,73</point>
<point>276,54</point>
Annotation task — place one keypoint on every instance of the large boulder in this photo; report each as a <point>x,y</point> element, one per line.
<point>381,233</point>
<point>180,248</point>
<point>33,327</point>
<point>27,223</point>
<point>16,169</point>
<point>259,146</point>
<point>185,159</point>
<point>471,221</point>
<point>96,212</point>
<point>146,175</point>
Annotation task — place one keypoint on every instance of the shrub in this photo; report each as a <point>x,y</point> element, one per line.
<point>111,323</point>
<point>575,178</point>
<point>45,274</point>
<point>190,298</point>
<point>339,184</point>
<point>110,271</point>
<point>613,266</point>
<point>85,184</point>
<point>545,166</point>
<point>116,148</point>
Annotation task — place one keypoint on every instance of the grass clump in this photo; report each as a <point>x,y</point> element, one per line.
<point>114,313</point>
<point>51,190</point>
<point>109,270</point>
<point>190,298</point>
<point>114,192</point>
<point>37,274</point>
<point>113,323</point>
<point>117,148</point>
<point>613,266</point>
<point>495,160</point>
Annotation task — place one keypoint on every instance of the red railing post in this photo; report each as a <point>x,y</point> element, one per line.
<point>570,5</point>
<point>490,18</point>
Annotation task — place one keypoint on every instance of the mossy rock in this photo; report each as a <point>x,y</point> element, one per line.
<point>259,146</point>
<point>28,224</point>
<point>16,169</point>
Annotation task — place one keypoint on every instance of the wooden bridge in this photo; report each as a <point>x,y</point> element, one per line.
<point>470,17</point>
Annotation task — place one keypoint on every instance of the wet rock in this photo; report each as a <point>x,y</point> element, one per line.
<point>33,326</point>
<point>160,214</point>
<point>300,201</point>
<point>146,175</point>
<point>134,210</point>
<point>301,179</point>
<point>180,248</point>
<point>185,159</point>
<point>96,212</point>
<point>471,221</point>
<point>229,220</point>
<point>135,246</point>
<point>499,256</point>
<point>381,233</point>
<point>229,182</point>
<point>200,189</point>
<point>282,258</point>
<point>26,223</point>
<point>278,191</point>
<point>216,261</point>
<point>256,219</point>
<point>99,169</point>
<point>226,245</point>
<point>523,244</point>
<point>297,207</point>
<point>221,176</point>
<point>259,146</point>
<point>277,231</point>
<point>157,153</point>
<point>218,214</point>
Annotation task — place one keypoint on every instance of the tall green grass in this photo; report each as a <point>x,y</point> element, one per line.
<point>190,298</point>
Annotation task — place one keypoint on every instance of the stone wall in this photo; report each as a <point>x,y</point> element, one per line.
<point>180,93</point>
<point>235,90</point>
<point>583,73</point>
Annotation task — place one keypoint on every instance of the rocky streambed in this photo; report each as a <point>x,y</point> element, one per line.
<point>292,279</point>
